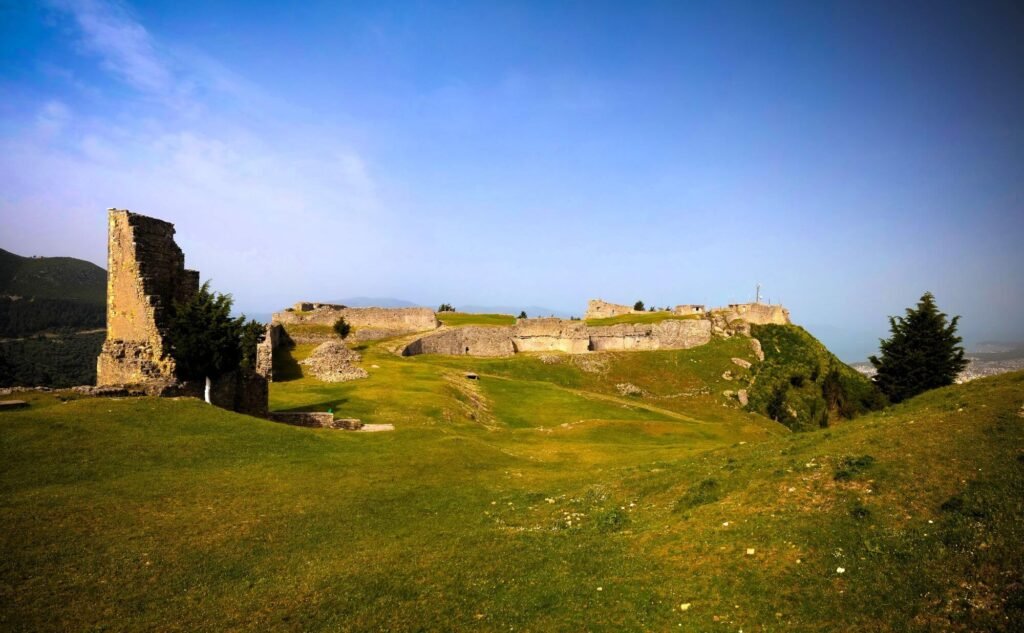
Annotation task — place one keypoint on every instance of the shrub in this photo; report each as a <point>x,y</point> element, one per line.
<point>707,491</point>
<point>522,315</point>
<point>850,467</point>
<point>342,327</point>
<point>445,307</point>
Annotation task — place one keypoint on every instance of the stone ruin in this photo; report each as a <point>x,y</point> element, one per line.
<point>696,327</point>
<point>146,275</point>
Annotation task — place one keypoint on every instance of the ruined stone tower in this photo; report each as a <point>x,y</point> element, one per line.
<point>145,275</point>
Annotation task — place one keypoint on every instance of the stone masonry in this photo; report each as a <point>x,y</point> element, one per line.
<point>146,274</point>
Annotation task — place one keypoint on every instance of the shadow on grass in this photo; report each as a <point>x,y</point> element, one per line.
<point>334,405</point>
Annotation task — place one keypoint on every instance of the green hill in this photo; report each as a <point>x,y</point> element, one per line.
<point>64,278</point>
<point>538,497</point>
<point>50,311</point>
<point>803,385</point>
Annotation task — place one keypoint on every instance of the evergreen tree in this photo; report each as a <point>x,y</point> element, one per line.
<point>205,341</point>
<point>342,327</point>
<point>253,333</point>
<point>639,306</point>
<point>522,314</point>
<point>923,352</point>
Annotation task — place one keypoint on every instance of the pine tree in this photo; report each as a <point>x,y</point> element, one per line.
<point>342,327</point>
<point>639,306</point>
<point>923,352</point>
<point>205,340</point>
<point>522,314</point>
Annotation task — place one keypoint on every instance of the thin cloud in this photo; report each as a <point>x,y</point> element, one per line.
<point>127,50</point>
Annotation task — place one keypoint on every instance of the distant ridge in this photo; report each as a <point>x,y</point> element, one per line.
<point>531,311</point>
<point>375,302</point>
<point>64,278</point>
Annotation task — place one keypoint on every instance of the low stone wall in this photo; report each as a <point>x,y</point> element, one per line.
<point>317,420</point>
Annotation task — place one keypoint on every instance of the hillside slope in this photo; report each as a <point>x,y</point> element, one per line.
<point>803,385</point>
<point>50,311</point>
<point>511,503</point>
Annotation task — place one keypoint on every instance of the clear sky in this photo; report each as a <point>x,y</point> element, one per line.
<point>848,156</point>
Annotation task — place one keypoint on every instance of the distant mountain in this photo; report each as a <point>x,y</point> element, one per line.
<point>63,278</point>
<point>531,311</point>
<point>53,314</point>
<point>375,302</point>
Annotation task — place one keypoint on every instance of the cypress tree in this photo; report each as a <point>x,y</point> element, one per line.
<point>923,353</point>
<point>205,340</point>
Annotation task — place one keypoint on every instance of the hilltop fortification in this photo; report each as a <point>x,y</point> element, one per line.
<point>685,326</point>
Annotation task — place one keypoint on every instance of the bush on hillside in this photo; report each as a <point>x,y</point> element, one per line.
<point>639,306</point>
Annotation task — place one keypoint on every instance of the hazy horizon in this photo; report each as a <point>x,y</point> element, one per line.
<point>847,157</point>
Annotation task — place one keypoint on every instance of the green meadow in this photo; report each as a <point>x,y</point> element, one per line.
<point>456,319</point>
<point>536,498</point>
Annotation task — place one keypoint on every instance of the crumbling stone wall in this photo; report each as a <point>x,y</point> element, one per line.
<point>370,323</point>
<point>274,338</point>
<point>145,275</point>
<point>756,313</point>
<point>689,308</point>
<point>598,309</point>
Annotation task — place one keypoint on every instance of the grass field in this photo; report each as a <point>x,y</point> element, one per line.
<point>537,498</point>
<point>456,319</point>
<point>642,317</point>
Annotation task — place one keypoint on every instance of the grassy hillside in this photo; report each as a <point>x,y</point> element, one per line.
<point>642,317</point>
<point>803,385</point>
<point>455,319</point>
<point>537,498</point>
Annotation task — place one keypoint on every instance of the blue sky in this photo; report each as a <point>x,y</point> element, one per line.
<point>847,156</point>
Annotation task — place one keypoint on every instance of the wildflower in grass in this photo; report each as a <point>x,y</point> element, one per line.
<point>840,570</point>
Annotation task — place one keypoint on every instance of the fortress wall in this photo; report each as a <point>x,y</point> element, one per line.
<point>146,275</point>
<point>756,313</point>
<point>556,335</point>
<point>550,335</point>
<point>671,334</point>
<point>377,322</point>
<point>465,341</point>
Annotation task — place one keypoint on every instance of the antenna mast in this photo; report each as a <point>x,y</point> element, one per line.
<point>757,294</point>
